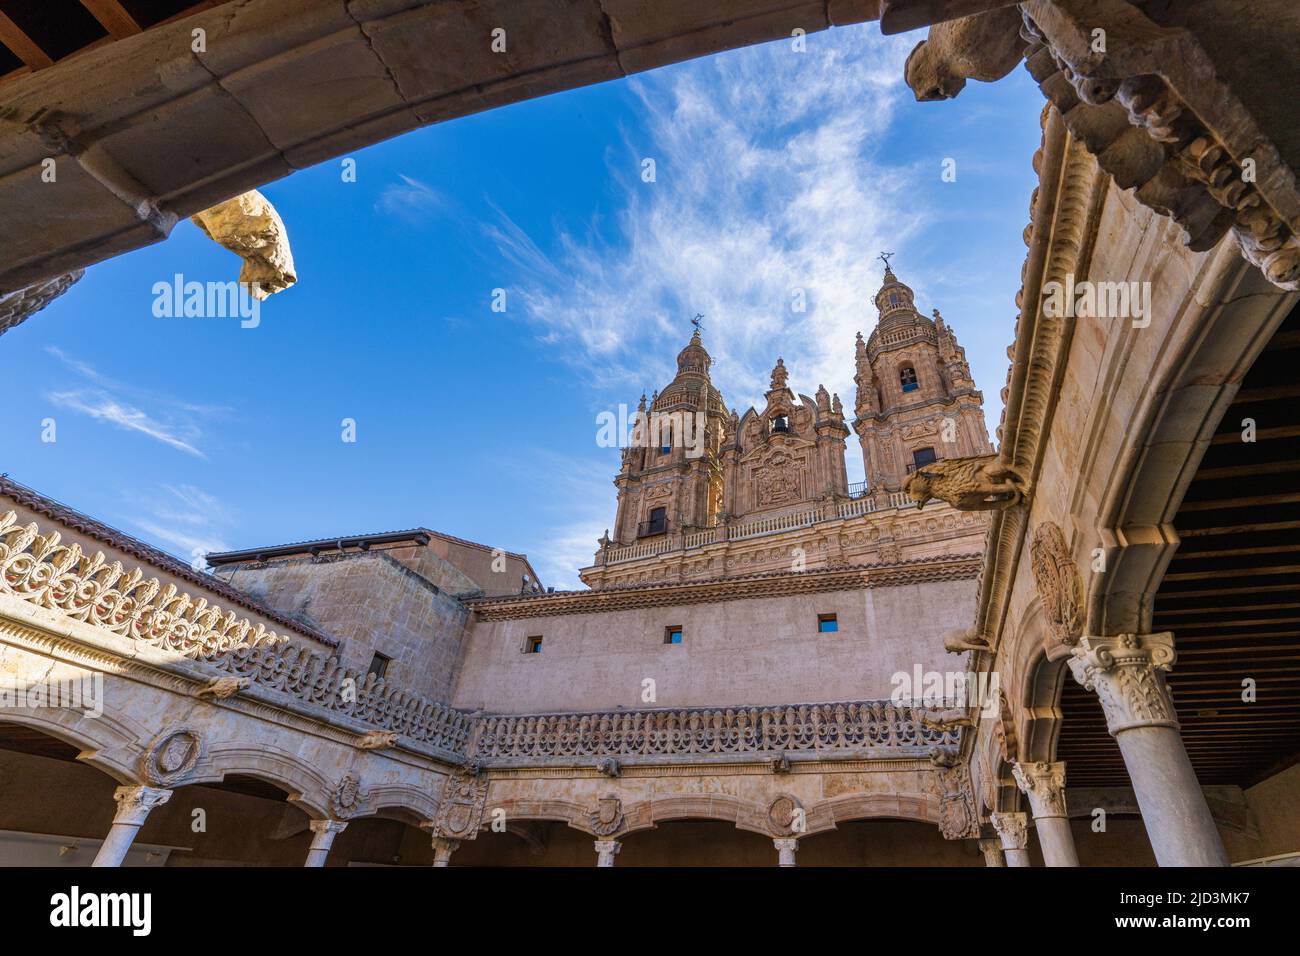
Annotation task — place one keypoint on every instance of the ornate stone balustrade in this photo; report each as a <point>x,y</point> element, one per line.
<point>757,528</point>
<point>42,570</point>
<point>859,727</point>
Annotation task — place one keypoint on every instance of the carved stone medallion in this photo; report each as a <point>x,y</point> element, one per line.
<point>173,756</point>
<point>1060,589</point>
<point>347,796</point>
<point>782,814</point>
<point>464,798</point>
<point>607,818</point>
<point>958,819</point>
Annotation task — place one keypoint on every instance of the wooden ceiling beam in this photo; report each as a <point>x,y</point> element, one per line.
<point>113,17</point>
<point>23,46</point>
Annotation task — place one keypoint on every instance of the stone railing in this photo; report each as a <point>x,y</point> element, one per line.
<point>316,679</point>
<point>40,569</point>
<point>761,526</point>
<point>634,551</point>
<point>841,728</point>
<point>853,508</point>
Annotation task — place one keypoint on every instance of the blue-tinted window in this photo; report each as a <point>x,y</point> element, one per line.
<point>827,624</point>
<point>533,645</point>
<point>672,635</point>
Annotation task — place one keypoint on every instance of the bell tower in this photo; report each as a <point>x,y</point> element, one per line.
<point>671,478</point>
<point>916,401</point>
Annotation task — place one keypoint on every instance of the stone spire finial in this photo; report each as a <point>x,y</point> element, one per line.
<point>779,375</point>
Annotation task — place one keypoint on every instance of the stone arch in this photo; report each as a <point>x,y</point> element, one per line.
<point>415,805</point>
<point>1209,352</point>
<point>107,743</point>
<point>915,807</point>
<point>305,786</point>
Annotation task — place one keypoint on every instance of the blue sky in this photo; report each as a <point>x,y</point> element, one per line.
<point>775,170</point>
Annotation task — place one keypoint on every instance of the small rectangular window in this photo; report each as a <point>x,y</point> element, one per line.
<point>379,665</point>
<point>673,634</point>
<point>827,624</point>
<point>533,645</point>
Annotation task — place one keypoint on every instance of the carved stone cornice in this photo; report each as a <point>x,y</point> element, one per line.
<point>1044,784</point>
<point>1064,211</point>
<point>1152,108</point>
<point>1127,672</point>
<point>772,584</point>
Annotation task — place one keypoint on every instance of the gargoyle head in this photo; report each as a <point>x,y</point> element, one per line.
<point>930,76</point>
<point>917,487</point>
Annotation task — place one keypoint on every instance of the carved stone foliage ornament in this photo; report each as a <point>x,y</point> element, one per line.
<point>1059,586</point>
<point>958,818</point>
<point>608,817</point>
<point>172,757</point>
<point>1127,672</point>
<point>785,814</point>
<point>464,798</point>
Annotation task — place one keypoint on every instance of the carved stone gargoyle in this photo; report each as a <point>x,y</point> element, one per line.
<point>977,483</point>
<point>983,47</point>
<point>963,639</point>
<point>946,720</point>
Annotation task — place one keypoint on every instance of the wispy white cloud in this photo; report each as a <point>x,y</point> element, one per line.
<point>184,517</point>
<point>115,403</point>
<point>767,182</point>
<point>577,509</point>
<point>410,199</point>
<point>102,406</point>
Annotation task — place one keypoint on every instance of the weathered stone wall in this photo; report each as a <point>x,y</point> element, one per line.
<point>372,602</point>
<point>748,651</point>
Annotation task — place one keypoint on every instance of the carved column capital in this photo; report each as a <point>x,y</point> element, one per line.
<point>1013,830</point>
<point>606,850</point>
<point>1127,672</point>
<point>992,850</point>
<point>331,827</point>
<point>786,847</point>
<point>443,848</point>
<point>1044,784</point>
<point>134,803</point>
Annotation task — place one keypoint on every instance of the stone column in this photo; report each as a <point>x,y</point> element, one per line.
<point>443,848</point>
<point>606,850</point>
<point>992,850</point>
<point>1013,831</point>
<point>323,834</point>
<point>1044,784</point>
<point>786,848</point>
<point>1127,672</point>
<point>133,806</point>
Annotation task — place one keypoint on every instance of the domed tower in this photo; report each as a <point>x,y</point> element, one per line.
<point>671,480</point>
<point>916,401</point>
